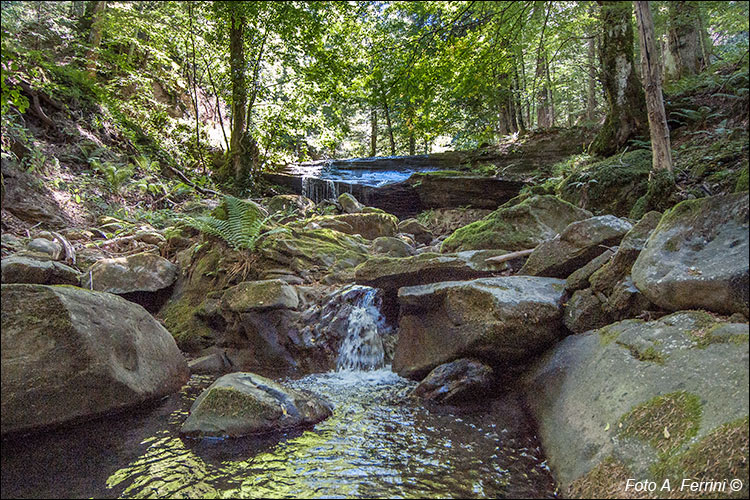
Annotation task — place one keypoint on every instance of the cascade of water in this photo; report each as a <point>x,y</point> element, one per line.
<point>362,348</point>
<point>306,187</point>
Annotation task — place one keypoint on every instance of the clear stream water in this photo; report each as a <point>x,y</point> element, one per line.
<point>379,443</point>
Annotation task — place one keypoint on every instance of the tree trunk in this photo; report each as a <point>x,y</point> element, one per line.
<point>707,47</point>
<point>591,87</point>
<point>651,74</point>
<point>683,40</point>
<point>373,131</point>
<point>95,37</point>
<point>239,95</point>
<point>520,125</point>
<point>626,114</point>
<point>388,124</point>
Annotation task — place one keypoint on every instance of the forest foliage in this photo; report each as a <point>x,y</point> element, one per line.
<point>319,79</point>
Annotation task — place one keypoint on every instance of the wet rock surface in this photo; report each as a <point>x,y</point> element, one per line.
<point>241,404</point>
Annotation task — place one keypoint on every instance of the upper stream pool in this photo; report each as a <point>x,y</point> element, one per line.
<point>378,444</point>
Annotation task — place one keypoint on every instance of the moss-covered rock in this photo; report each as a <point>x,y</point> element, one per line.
<point>367,225</point>
<point>610,186</point>
<point>241,404</point>
<point>204,271</point>
<point>260,295</point>
<point>639,397</point>
<point>71,354</point>
<point>516,227</point>
<point>697,257</point>
<point>313,252</point>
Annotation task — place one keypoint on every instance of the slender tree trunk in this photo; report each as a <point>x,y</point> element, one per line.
<point>626,113</point>
<point>707,47</point>
<point>388,124</point>
<point>218,103</point>
<point>195,93</point>
<point>373,131</point>
<point>651,74</point>
<point>95,37</point>
<point>517,95</point>
<point>239,95</point>
<point>684,40</point>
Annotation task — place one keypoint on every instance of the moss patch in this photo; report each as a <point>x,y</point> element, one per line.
<point>516,227</point>
<point>722,454</point>
<point>229,402</point>
<point>611,186</point>
<point>658,197</point>
<point>665,422</point>
<point>742,181</point>
<point>606,480</point>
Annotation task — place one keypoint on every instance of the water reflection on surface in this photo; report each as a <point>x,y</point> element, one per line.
<point>378,443</point>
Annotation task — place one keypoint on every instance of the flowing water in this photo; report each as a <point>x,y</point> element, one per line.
<point>379,443</point>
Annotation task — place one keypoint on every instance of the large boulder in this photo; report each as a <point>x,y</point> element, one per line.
<point>241,404</point>
<point>500,321</point>
<point>697,257</point>
<point>648,400</point>
<point>392,247</point>
<point>259,296</point>
<point>142,272</point>
<point>308,252</point>
<point>26,269</point>
<point>70,354</point>
<point>517,227</point>
<point>289,203</point>
<point>580,242</point>
<point>456,382</point>
<point>368,225</point>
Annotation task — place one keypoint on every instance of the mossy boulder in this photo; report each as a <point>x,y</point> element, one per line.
<point>640,397</point>
<point>242,404</point>
<point>697,257</point>
<point>204,271</point>
<point>309,252</point>
<point>368,225</point>
<point>610,186</point>
<point>575,246</point>
<point>517,227</point>
<point>500,321</point>
<point>259,296</point>
<point>70,354</point>
<point>349,203</point>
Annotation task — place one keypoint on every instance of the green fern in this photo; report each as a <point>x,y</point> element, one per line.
<point>114,175</point>
<point>242,229</point>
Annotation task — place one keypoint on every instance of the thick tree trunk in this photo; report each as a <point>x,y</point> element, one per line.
<point>683,40</point>
<point>239,95</point>
<point>591,84</point>
<point>626,113</point>
<point>95,37</point>
<point>707,46</point>
<point>651,74</point>
<point>373,131</point>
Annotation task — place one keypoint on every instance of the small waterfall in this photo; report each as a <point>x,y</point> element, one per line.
<point>319,189</point>
<point>362,348</point>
